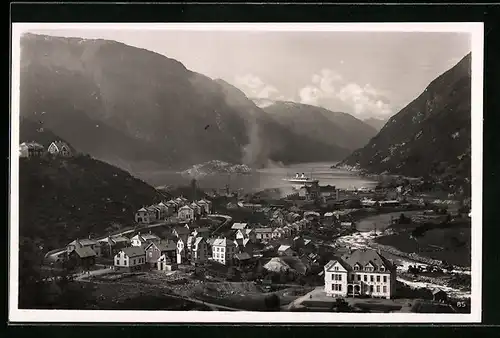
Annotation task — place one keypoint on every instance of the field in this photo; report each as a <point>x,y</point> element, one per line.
<point>451,244</point>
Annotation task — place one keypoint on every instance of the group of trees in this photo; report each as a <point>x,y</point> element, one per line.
<point>41,288</point>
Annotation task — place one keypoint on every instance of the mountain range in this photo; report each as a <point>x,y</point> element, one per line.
<point>376,123</point>
<point>140,110</point>
<point>431,136</point>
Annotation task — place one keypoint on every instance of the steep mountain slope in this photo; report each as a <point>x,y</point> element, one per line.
<point>272,139</point>
<point>140,110</point>
<point>430,136</point>
<point>62,199</point>
<point>375,122</point>
<point>322,125</point>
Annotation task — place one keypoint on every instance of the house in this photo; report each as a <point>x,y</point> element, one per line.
<point>201,232</point>
<point>362,272</point>
<point>80,243</point>
<point>263,234</point>
<point>199,251</point>
<point>130,259</point>
<point>83,257</point>
<point>155,250</point>
<point>186,213</point>
<point>164,263</point>
<point>196,208</point>
<point>245,245</point>
<point>31,149</point>
<point>239,226</point>
<point>164,211</point>
<point>246,234</point>
<point>243,258</point>
<point>285,250</point>
<point>172,206</point>
<point>144,239</point>
<point>156,211</point>
<point>439,295</point>
<point>145,216</point>
<point>181,233</point>
<point>60,148</point>
<point>205,205</point>
<point>181,201</point>
<point>112,244</point>
<point>328,191</point>
<point>182,251</point>
<point>223,251</point>
<point>278,233</point>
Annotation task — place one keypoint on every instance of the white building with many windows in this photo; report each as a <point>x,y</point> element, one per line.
<point>363,272</point>
<point>223,251</point>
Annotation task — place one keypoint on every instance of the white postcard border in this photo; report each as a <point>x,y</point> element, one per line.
<point>123,316</point>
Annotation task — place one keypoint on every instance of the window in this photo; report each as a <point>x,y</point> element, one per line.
<point>365,278</point>
<point>117,262</point>
<point>134,262</point>
<point>382,268</point>
<point>359,278</point>
<point>371,288</point>
<point>150,254</point>
<point>340,277</point>
<point>356,267</point>
<point>378,288</point>
<point>384,288</point>
<point>340,287</point>
<point>385,279</point>
<point>336,268</point>
<point>371,278</point>
<point>378,279</point>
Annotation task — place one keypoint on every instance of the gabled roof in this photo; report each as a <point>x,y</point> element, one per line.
<point>32,145</point>
<point>181,230</point>
<point>133,251</point>
<point>142,209</point>
<point>202,230</point>
<point>147,237</point>
<point>344,264</point>
<point>85,252</point>
<point>224,242</point>
<point>239,226</point>
<point>119,239</point>
<point>197,241</point>
<point>436,291</point>
<point>284,247</point>
<point>166,246</point>
<point>242,256</point>
<point>363,257</point>
<point>186,207</point>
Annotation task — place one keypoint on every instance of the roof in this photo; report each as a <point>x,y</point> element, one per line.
<point>118,239</point>
<point>32,145</point>
<point>181,230</point>
<point>198,240</point>
<point>242,256</point>
<point>284,247</point>
<point>166,246</point>
<point>223,242</point>
<point>363,257</point>
<point>260,230</point>
<point>60,144</point>
<point>239,226</point>
<point>133,251</point>
<point>85,252</point>
<point>199,230</point>
<point>84,242</point>
<point>149,236</point>
<point>142,209</point>
<point>186,207</point>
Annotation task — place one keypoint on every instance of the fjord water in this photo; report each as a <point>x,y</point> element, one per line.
<point>268,178</point>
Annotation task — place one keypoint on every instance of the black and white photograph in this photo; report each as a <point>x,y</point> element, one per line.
<point>202,173</point>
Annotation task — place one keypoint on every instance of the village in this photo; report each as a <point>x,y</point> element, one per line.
<point>235,251</point>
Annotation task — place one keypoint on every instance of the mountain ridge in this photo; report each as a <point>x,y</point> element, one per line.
<point>430,136</point>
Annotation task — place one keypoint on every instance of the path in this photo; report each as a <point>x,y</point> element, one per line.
<point>228,220</point>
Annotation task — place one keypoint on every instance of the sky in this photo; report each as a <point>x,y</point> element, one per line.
<point>366,74</point>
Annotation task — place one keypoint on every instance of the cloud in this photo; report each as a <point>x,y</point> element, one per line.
<point>254,87</point>
<point>329,90</point>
